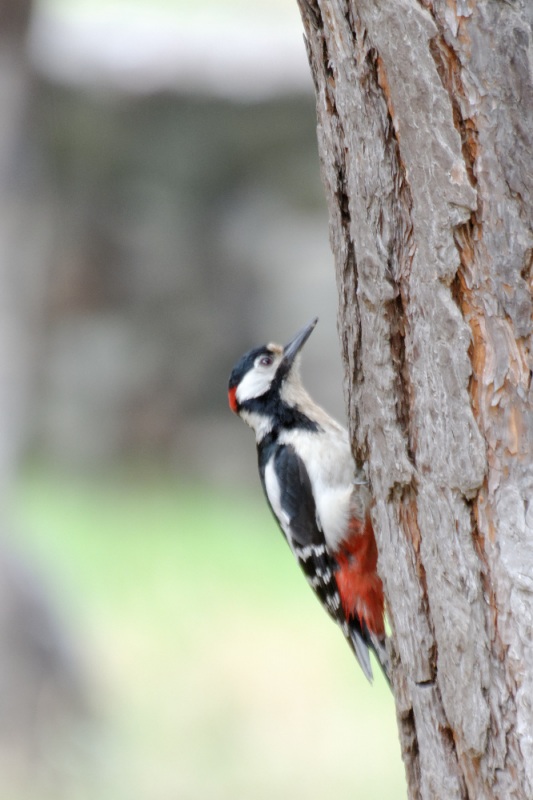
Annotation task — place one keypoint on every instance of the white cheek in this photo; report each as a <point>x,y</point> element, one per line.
<point>254,384</point>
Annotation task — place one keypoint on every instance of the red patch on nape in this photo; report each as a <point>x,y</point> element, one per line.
<point>232,398</point>
<point>359,584</point>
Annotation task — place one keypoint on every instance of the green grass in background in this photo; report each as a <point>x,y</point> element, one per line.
<point>213,672</point>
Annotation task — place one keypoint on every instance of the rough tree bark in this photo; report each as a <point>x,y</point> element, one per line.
<point>425,129</point>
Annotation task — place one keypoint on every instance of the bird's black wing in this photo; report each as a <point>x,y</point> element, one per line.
<point>294,495</point>
<point>300,525</point>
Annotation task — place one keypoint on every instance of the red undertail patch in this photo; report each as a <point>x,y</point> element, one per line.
<point>233,399</point>
<point>359,584</point>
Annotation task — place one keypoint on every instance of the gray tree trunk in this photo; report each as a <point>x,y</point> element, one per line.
<point>425,129</point>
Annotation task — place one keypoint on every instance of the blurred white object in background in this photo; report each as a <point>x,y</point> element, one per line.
<point>248,53</point>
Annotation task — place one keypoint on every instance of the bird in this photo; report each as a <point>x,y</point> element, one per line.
<point>318,496</point>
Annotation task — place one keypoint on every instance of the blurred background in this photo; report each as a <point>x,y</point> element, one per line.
<point>161,212</point>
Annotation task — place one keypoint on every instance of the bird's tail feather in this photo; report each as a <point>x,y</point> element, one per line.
<point>362,653</point>
<point>362,642</point>
<point>379,646</point>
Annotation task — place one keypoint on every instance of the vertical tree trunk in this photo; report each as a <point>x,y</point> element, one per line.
<point>41,689</point>
<point>19,283</point>
<point>425,129</point>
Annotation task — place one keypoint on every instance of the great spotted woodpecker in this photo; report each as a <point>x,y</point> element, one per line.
<point>319,498</point>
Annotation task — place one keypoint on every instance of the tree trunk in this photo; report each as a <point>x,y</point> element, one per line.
<point>42,695</point>
<point>425,129</point>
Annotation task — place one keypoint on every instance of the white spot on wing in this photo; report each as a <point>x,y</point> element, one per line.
<point>333,601</point>
<point>274,495</point>
<point>311,550</point>
<point>324,575</point>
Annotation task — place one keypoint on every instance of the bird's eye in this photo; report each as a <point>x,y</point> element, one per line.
<point>265,361</point>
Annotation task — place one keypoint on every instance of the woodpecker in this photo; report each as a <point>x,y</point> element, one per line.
<point>319,498</point>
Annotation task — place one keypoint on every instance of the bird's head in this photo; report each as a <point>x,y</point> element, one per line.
<point>266,374</point>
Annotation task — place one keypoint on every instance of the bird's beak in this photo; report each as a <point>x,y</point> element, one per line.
<point>291,350</point>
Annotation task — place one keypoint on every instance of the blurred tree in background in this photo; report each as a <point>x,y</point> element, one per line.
<point>188,223</point>
<point>41,691</point>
